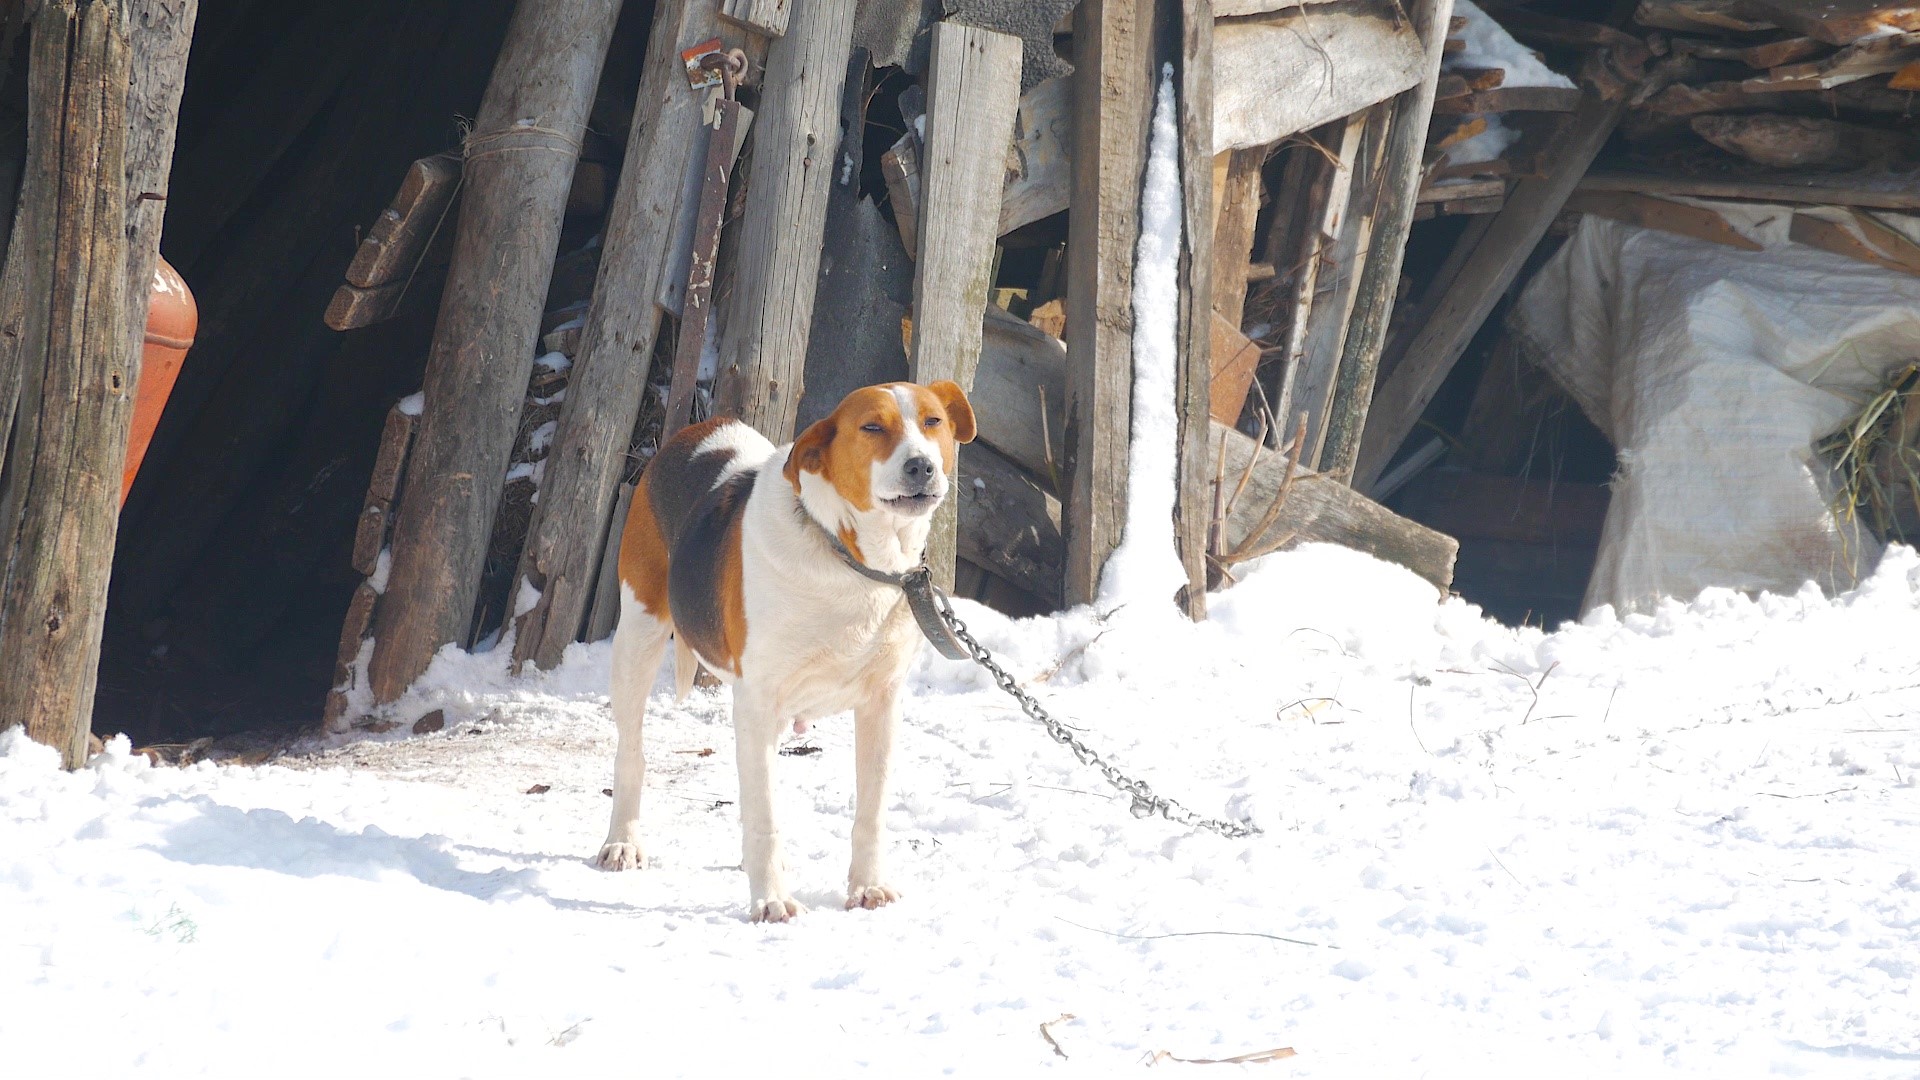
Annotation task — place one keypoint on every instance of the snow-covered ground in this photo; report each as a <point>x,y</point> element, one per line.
<point>1683,844</point>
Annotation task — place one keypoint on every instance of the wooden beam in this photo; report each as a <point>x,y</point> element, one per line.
<point>1652,213</point>
<point>764,329</point>
<point>1114,80</point>
<point>63,485</point>
<point>1858,237</point>
<point>1894,191</point>
<point>1391,214</point>
<point>1494,264</point>
<point>1193,383</point>
<point>972,94</point>
<point>518,167</point>
<point>1236,210</point>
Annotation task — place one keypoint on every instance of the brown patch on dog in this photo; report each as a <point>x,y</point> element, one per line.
<point>851,541</point>
<point>643,555</point>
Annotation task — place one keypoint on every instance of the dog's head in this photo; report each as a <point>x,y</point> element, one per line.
<point>886,449</point>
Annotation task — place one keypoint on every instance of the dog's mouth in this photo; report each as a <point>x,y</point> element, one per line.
<point>913,504</point>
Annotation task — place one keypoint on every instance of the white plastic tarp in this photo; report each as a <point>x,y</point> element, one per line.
<point>1715,371</point>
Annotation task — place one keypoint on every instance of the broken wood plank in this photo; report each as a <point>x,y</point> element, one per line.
<point>1041,182</point>
<point>1236,357</point>
<point>765,17</point>
<point>1391,214</point>
<point>1470,189</point>
<point>973,78</point>
<point>1649,212</point>
<point>399,236</point>
<point>1113,98</point>
<point>1283,75</point>
<point>579,484</point>
<point>1859,237</point>
<point>1504,248</point>
<point>1876,56</point>
<point>1891,191</point>
<point>353,307</point>
<point>1841,22</point>
<point>516,178</point>
<point>1511,99</point>
<point>1009,524</point>
<point>1786,142</point>
<point>766,322</point>
<point>900,166</point>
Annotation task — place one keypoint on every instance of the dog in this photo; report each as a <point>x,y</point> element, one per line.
<point>736,551</point>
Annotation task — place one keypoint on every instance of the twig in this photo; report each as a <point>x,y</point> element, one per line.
<point>1201,933</point>
<point>1278,1053</point>
<point>1048,1035</point>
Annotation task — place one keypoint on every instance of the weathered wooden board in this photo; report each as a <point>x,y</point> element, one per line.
<point>518,166</point>
<point>1875,56</point>
<point>1502,99</point>
<point>767,17</point>
<point>1857,236</point>
<point>971,100</point>
<point>1766,54</point>
<point>1278,76</point>
<point>370,535</point>
<point>1226,9</point>
<point>1841,22</point>
<point>1009,524</point>
<point>353,307</point>
<point>399,236</point>
<point>605,615</point>
<point>1193,345</point>
<point>900,166</point>
<point>1235,359</point>
<point>1649,212</point>
<point>1740,16</point>
<point>1889,191</point>
<point>1040,173</point>
<point>766,321</point>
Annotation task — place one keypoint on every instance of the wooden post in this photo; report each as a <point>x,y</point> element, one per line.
<point>763,338</point>
<point>519,166</point>
<point>1193,506</point>
<point>610,368</point>
<point>1113,92</point>
<point>1398,189</point>
<point>973,92</point>
<point>63,484</point>
<point>1483,278</point>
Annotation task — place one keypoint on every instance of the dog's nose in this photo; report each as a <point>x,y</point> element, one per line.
<point>918,469</point>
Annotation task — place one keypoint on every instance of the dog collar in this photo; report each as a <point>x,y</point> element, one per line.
<point>924,598</point>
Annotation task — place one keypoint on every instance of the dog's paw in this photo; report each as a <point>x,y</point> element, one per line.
<point>620,855</point>
<point>871,896</point>
<point>774,909</point>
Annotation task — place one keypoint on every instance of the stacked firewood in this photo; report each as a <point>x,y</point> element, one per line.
<point>1761,84</point>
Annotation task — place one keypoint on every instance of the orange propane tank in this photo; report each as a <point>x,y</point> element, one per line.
<point>171,323</point>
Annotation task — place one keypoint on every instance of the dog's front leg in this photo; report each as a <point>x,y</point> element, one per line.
<point>756,737</point>
<point>873,727</point>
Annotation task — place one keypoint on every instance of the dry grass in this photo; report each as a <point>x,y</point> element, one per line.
<point>1876,459</point>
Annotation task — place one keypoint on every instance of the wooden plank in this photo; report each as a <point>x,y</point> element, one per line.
<point>399,236</point>
<point>63,486</point>
<point>353,307</point>
<point>1892,191</point>
<point>766,17</point>
<point>605,615</point>
<point>1114,78</point>
<point>697,298</point>
<point>900,165</point>
<point>1859,237</point>
<point>1391,212</point>
<point>1841,22</point>
<point>1766,54</point>
<point>972,94</point>
<point>1511,99</point>
<point>1286,74</point>
<point>1226,9</point>
<point>1695,15</point>
<point>610,370</point>
<point>1236,213</point>
<point>1649,212</point>
<point>370,535</point>
<point>765,324</point>
<point>1789,142</point>
<point>1495,262</point>
<point>1022,366</point>
<point>1876,56</point>
<point>1471,189</point>
<point>1193,386</point>
<point>518,164</point>
<point>1487,204</point>
<point>1235,359</point>
<point>1040,183</point>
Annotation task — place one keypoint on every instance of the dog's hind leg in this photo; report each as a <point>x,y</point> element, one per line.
<point>639,645</point>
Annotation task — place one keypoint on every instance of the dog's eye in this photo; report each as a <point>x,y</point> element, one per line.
<point>933,421</point>
<point>875,428</point>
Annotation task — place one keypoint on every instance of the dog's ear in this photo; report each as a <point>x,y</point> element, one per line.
<point>810,451</point>
<point>959,411</point>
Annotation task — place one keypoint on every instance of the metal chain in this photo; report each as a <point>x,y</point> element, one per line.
<point>1145,802</point>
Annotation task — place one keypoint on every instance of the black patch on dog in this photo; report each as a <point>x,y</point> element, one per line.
<point>698,560</point>
<point>678,479</point>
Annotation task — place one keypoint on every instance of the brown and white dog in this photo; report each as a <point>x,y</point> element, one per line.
<point>727,553</point>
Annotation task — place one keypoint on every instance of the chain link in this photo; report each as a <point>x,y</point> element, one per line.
<point>1145,802</point>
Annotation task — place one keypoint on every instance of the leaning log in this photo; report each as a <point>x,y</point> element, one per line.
<point>77,372</point>
<point>764,328</point>
<point>610,369</point>
<point>1193,383</point>
<point>519,166</point>
<point>972,93</point>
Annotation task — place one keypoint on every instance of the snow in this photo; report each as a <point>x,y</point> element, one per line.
<point>1146,566</point>
<point>413,403</point>
<point>1488,45</point>
<point>1678,843</point>
<point>553,361</point>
